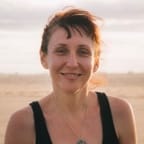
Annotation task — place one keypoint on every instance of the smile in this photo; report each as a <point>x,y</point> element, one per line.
<point>71,75</point>
<point>75,74</point>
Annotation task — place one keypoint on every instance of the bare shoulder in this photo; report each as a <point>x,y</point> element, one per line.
<point>122,110</point>
<point>124,119</point>
<point>120,105</point>
<point>20,127</point>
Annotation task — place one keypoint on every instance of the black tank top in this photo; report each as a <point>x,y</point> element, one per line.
<point>109,133</point>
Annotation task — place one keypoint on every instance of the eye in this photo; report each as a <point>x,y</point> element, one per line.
<point>84,52</point>
<point>61,51</point>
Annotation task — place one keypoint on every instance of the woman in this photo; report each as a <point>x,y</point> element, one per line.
<point>72,114</point>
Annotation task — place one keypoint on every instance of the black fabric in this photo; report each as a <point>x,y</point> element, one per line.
<point>42,135</point>
<point>109,134</point>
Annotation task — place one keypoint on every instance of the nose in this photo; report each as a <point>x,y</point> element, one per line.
<point>72,60</point>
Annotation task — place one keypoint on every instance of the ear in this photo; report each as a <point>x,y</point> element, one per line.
<point>43,59</point>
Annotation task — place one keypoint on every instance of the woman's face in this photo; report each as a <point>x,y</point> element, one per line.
<point>70,60</point>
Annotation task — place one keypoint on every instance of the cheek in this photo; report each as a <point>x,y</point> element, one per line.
<point>54,63</point>
<point>88,65</point>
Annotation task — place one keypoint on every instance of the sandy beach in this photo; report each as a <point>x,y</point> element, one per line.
<point>17,91</point>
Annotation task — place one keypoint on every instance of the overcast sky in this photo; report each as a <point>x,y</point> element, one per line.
<point>124,14</point>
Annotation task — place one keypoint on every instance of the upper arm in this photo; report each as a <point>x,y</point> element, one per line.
<point>20,128</point>
<point>124,120</point>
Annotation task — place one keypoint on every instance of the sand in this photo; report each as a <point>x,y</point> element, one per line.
<point>17,91</point>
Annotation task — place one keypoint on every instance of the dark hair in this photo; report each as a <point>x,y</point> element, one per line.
<point>70,19</point>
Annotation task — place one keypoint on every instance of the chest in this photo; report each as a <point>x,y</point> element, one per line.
<point>88,130</point>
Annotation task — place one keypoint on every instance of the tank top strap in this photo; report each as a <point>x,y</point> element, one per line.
<point>42,135</point>
<point>109,133</point>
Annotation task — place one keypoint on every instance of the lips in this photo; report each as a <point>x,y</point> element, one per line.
<point>71,76</point>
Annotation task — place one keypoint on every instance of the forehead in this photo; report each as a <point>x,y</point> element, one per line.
<point>60,35</point>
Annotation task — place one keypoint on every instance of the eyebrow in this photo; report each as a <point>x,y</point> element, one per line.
<point>83,45</point>
<point>61,45</point>
<point>64,45</point>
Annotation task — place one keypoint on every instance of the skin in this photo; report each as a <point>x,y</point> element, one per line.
<point>71,63</point>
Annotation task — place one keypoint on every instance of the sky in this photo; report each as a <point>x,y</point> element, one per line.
<point>22,23</point>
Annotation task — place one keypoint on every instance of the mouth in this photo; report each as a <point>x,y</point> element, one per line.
<point>75,74</point>
<point>71,75</point>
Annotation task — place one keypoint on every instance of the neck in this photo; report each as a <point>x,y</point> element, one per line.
<point>71,102</point>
